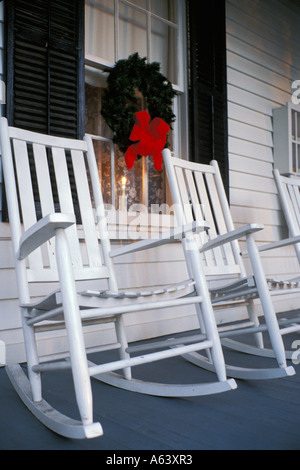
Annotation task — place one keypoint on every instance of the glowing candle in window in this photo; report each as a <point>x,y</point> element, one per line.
<point>123,194</point>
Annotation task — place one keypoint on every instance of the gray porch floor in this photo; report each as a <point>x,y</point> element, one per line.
<point>258,415</point>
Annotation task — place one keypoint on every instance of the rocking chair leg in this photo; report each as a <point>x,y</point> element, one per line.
<point>206,310</point>
<point>121,336</point>
<point>202,329</point>
<point>198,309</point>
<point>32,360</point>
<point>253,317</point>
<point>267,304</point>
<point>82,382</point>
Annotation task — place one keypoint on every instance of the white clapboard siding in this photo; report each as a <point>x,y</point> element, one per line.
<point>263,60</point>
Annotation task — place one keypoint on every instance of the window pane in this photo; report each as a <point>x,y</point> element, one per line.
<point>297,137</point>
<point>99,29</point>
<point>131,188</point>
<point>94,122</point>
<point>95,125</point>
<point>132,32</point>
<point>164,48</point>
<point>165,8</point>
<point>103,157</point>
<point>156,185</point>
<point>294,125</point>
<point>140,3</point>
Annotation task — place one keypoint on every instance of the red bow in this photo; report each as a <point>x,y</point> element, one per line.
<point>152,138</point>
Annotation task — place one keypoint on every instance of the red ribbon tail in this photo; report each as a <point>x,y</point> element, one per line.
<point>130,156</point>
<point>157,160</point>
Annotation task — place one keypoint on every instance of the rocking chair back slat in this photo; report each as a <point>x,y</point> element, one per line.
<point>189,199</point>
<point>86,210</point>
<point>45,191</point>
<point>206,214</point>
<point>219,214</point>
<point>26,196</point>
<point>209,200</point>
<point>66,203</point>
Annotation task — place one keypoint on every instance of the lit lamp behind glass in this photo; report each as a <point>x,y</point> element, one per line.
<point>123,199</point>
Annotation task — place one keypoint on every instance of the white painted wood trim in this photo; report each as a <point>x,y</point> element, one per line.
<point>2,354</point>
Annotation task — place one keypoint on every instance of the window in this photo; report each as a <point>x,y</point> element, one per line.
<point>286,137</point>
<point>114,30</point>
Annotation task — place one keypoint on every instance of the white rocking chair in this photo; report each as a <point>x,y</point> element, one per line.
<point>198,194</point>
<point>41,175</point>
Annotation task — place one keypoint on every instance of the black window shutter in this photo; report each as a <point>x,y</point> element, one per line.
<point>208,83</point>
<point>45,68</point>
<point>45,71</point>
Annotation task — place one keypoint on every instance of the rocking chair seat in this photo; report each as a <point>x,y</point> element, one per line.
<point>94,298</point>
<point>246,288</point>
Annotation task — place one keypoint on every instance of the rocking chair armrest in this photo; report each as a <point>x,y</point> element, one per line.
<point>166,237</point>
<point>42,231</point>
<point>231,236</point>
<point>280,244</point>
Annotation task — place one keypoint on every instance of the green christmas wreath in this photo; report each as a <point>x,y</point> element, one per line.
<point>120,102</point>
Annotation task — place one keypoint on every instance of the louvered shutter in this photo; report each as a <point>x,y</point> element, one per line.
<point>45,69</point>
<point>45,74</point>
<point>208,83</point>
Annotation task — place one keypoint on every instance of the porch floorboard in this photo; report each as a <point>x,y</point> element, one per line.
<point>259,415</point>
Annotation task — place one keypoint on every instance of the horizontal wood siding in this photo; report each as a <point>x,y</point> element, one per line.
<point>263,60</point>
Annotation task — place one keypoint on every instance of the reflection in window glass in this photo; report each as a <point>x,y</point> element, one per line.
<point>99,29</point>
<point>140,3</point>
<point>293,125</point>
<point>164,48</point>
<point>132,32</point>
<point>165,9</point>
<point>297,127</point>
